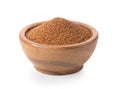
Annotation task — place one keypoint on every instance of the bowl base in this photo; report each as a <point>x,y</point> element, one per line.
<point>58,73</point>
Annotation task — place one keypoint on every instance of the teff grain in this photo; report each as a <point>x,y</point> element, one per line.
<point>59,31</point>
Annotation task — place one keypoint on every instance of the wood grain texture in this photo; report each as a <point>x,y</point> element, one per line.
<point>64,59</point>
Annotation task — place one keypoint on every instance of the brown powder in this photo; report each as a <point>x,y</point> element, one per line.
<point>59,31</point>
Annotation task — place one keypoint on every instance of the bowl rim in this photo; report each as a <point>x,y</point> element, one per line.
<point>22,36</point>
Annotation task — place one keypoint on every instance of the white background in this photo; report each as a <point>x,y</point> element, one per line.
<point>102,71</point>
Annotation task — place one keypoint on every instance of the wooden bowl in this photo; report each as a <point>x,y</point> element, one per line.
<point>58,60</point>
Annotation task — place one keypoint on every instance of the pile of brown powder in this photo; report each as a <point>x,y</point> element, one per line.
<point>59,31</point>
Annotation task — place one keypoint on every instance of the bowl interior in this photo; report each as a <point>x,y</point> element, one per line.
<point>26,29</point>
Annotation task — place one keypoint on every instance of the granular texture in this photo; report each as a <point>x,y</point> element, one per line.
<point>59,31</point>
